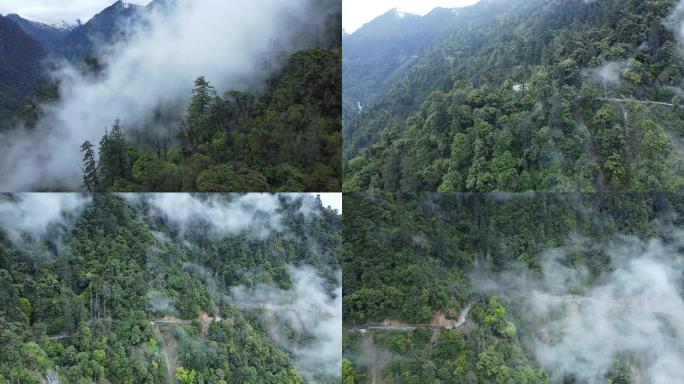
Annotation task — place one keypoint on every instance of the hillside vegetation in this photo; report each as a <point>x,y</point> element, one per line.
<point>530,96</point>
<point>85,298</point>
<point>406,258</point>
<point>285,140</point>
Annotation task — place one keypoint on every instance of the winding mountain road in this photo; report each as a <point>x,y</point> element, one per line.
<point>206,320</point>
<point>631,100</point>
<point>463,317</point>
<point>403,327</point>
<point>61,336</point>
<point>169,321</point>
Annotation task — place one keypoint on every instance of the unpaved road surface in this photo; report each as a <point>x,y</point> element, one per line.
<point>404,327</point>
<point>626,100</point>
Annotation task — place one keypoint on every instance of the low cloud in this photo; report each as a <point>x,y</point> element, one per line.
<point>233,214</point>
<point>580,326</point>
<point>159,302</point>
<point>310,309</point>
<point>609,74</point>
<point>153,70</point>
<point>33,214</point>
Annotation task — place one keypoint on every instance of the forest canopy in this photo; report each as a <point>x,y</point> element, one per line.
<point>567,96</point>
<point>169,288</point>
<point>237,142</point>
<point>562,288</point>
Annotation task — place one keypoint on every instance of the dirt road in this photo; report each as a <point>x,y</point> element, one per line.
<point>389,325</point>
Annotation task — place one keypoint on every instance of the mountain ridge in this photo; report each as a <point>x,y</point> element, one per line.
<point>382,49</point>
<point>22,76</point>
<point>103,28</point>
<point>50,36</point>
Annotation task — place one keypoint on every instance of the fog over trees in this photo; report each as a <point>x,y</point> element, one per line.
<point>169,288</point>
<point>266,81</point>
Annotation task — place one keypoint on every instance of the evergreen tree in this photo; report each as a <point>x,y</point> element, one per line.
<point>90,172</point>
<point>198,127</point>
<point>115,164</point>
<point>288,140</point>
<point>202,96</point>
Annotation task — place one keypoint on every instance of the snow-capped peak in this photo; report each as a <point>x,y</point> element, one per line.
<point>396,12</point>
<point>124,4</point>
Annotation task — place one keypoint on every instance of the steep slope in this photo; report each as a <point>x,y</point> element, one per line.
<point>50,36</point>
<point>249,142</point>
<point>21,70</point>
<point>399,92</point>
<point>383,48</point>
<point>121,289</point>
<point>106,27</point>
<point>415,259</point>
<point>514,99</point>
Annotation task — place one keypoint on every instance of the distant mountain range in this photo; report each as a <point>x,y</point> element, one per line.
<point>25,45</point>
<point>79,41</point>
<point>374,54</point>
<point>104,28</point>
<point>49,36</point>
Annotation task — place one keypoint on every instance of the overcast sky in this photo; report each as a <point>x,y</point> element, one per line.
<point>55,11</point>
<point>358,12</point>
<point>333,200</point>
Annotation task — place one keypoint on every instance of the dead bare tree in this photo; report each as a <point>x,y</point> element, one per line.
<point>270,59</point>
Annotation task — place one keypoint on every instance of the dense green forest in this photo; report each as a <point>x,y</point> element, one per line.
<point>238,141</point>
<point>80,301</point>
<point>406,257</point>
<point>531,96</point>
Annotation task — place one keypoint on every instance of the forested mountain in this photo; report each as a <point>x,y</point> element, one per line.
<point>285,140</point>
<point>512,288</point>
<point>77,42</point>
<point>383,48</point>
<point>168,289</point>
<point>270,119</point>
<point>24,67</point>
<point>528,95</point>
<point>21,68</point>
<point>105,28</point>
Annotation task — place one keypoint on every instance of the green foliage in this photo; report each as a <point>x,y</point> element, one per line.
<point>231,177</point>
<point>407,256</point>
<point>522,107</point>
<point>84,309</point>
<point>185,376</point>
<point>286,140</point>
<point>91,180</point>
